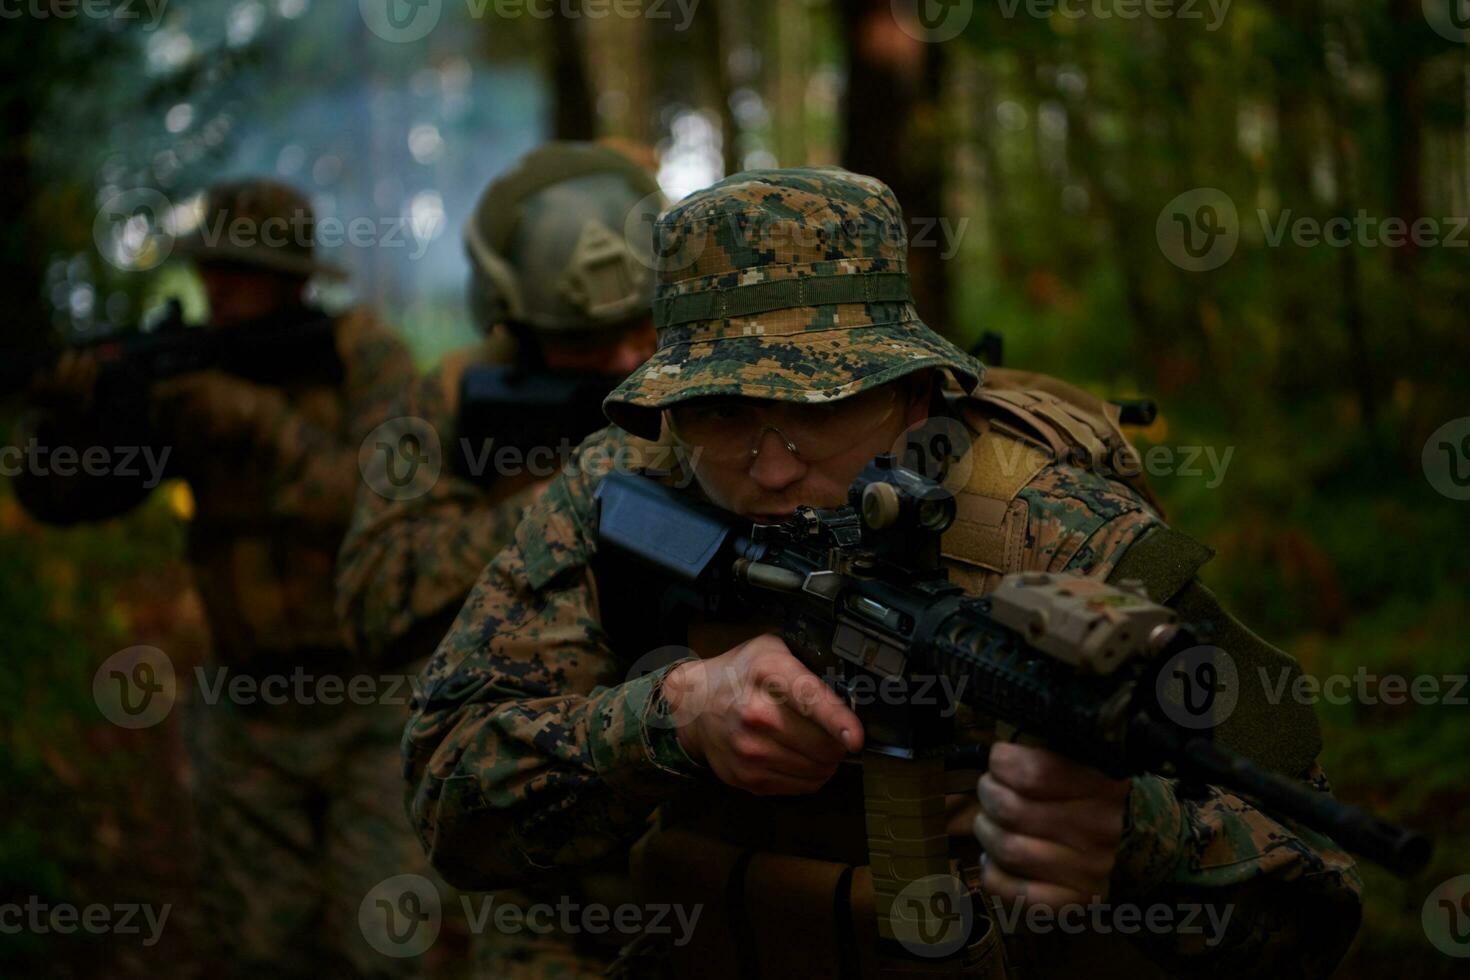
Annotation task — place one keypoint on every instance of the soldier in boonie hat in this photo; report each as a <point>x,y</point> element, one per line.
<point>790,354</point>
<point>260,224</point>
<point>790,285</point>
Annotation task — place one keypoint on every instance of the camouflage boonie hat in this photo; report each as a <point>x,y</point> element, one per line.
<point>277,233</point>
<point>789,285</point>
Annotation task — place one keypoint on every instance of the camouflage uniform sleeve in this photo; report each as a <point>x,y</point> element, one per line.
<point>527,750</point>
<point>316,470</point>
<point>1294,897</point>
<point>409,559</point>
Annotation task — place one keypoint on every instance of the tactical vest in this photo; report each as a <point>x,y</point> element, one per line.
<point>795,887</point>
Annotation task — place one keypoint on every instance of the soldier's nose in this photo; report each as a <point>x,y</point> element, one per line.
<point>775,467</point>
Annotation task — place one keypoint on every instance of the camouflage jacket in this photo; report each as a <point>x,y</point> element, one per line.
<point>529,755</point>
<point>413,553</point>
<point>272,470</point>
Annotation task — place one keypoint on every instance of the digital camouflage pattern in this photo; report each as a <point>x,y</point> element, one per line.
<point>406,565</point>
<point>301,817</point>
<point>782,284</point>
<point>300,808</point>
<point>405,569</point>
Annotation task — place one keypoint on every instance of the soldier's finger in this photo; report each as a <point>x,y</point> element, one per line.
<point>779,759</point>
<point>808,739</point>
<point>1039,774</point>
<point>1003,886</point>
<point>1042,860</point>
<point>1076,823</point>
<point>809,697</point>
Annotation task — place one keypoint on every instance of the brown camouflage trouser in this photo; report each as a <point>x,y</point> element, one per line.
<point>301,815</point>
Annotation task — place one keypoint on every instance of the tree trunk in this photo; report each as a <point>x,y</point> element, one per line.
<point>892,130</point>
<point>575,118</point>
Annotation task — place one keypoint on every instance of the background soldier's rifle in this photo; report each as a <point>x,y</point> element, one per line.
<point>276,350</point>
<point>510,406</point>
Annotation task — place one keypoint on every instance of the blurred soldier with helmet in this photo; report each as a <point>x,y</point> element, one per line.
<point>561,279</point>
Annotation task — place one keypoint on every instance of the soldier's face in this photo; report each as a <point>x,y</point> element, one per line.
<point>770,487</point>
<point>240,294</point>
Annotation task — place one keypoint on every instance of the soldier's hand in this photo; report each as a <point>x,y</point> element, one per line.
<point>1050,827</point>
<point>70,386</point>
<point>209,405</point>
<point>760,720</point>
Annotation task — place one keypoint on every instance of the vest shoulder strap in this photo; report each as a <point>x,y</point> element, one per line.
<point>984,531</point>
<point>1074,425</point>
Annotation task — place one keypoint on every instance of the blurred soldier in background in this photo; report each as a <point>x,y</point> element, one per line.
<point>561,277</point>
<point>299,803</point>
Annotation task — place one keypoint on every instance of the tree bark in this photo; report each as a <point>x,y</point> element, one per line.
<point>892,130</point>
<point>574,115</point>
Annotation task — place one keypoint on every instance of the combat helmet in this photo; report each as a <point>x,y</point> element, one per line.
<point>562,244</point>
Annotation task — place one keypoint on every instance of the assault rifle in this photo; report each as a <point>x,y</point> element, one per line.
<point>275,350</point>
<point>865,603</point>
